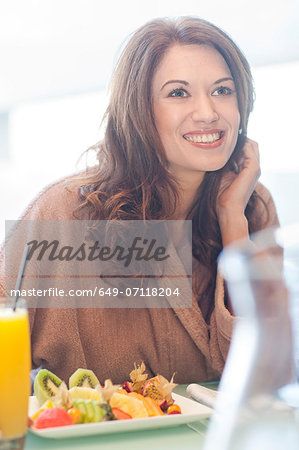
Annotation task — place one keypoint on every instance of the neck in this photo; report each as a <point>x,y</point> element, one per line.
<point>187,195</point>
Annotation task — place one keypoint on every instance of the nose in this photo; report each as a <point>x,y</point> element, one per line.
<point>203,109</point>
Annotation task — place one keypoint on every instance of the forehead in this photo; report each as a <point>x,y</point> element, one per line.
<point>189,61</point>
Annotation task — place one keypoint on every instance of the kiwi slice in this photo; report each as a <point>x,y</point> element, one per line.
<point>108,414</point>
<point>90,410</point>
<point>83,378</point>
<point>80,404</point>
<point>99,412</point>
<point>46,385</point>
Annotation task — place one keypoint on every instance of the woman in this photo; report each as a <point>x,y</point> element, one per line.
<point>175,147</point>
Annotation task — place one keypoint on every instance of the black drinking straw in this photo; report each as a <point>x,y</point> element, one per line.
<point>20,277</point>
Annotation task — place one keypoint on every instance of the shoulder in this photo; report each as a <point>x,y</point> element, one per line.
<point>56,201</point>
<point>263,192</point>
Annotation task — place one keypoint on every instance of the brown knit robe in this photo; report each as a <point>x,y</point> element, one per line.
<point>109,341</point>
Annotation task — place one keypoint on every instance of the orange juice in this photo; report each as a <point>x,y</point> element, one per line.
<point>14,372</point>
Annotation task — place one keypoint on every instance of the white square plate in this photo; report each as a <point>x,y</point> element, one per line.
<point>191,412</point>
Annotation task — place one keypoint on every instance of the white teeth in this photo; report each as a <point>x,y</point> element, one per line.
<point>203,137</point>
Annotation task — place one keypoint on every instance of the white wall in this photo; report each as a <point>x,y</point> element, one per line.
<point>47,139</point>
<point>274,124</point>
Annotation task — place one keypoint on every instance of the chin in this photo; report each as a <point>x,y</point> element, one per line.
<point>214,167</point>
<point>217,165</point>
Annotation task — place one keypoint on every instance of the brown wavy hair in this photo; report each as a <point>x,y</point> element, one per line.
<point>132,180</point>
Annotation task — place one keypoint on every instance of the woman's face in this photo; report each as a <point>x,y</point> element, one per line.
<point>195,109</point>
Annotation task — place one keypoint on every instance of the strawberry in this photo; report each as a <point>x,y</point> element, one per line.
<point>120,415</point>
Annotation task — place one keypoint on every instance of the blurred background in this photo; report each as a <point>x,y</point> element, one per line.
<point>56,59</point>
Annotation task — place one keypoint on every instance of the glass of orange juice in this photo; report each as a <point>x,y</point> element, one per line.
<point>14,373</point>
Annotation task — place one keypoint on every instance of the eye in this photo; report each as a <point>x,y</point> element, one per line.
<point>178,92</point>
<point>222,90</point>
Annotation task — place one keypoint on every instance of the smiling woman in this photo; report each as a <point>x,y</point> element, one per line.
<point>196,110</point>
<point>175,147</point>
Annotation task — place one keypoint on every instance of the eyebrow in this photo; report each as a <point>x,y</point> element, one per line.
<point>174,81</point>
<point>224,79</point>
<point>186,82</point>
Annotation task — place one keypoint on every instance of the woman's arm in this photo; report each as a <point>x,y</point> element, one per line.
<point>235,191</point>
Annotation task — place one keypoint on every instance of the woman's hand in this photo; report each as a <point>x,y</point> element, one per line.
<point>234,193</point>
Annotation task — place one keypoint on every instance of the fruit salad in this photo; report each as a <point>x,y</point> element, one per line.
<point>85,400</point>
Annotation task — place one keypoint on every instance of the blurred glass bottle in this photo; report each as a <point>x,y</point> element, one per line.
<point>258,404</point>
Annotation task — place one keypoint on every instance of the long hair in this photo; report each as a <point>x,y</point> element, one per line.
<point>132,180</point>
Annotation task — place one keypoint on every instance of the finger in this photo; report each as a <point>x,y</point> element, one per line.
<point>251,148</point>
<point>251,155</point>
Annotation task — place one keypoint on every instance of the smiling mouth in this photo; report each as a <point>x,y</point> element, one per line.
<point>208,138</point>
